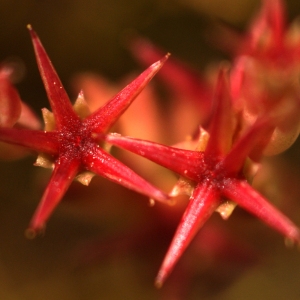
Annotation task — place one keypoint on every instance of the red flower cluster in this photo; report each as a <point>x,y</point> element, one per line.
<point>68,144</point>
<point>252,110</point>
<point>216,172</point>
<point>256,113</point>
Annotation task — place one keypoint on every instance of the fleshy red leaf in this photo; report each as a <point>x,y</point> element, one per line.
<point>37,140</point>
<point>249,199</point>
<point>221,125</point>
<point>184,162</point>
<point>109,167</point>
<point>271,17</point>
<point>202,204</point>
<point>103,118</point>
<point>62,176</point>
<point>58,98</point>
<point>236,158</point>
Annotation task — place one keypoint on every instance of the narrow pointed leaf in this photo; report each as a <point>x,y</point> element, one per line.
<point>201,206</point>
<point>62,176</point>
<point>37,140</point>
<point>107,166</point>
<point>184,162</point>
<point>58,98</point>
<point>249,199</point>
<point>221,126</point>
<point>103,118</point>
<point>236,158</point>
<point>270,20</point>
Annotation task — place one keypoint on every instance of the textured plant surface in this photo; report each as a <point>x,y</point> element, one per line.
<point>68,139</point>
<point>217,173</point>
<point>204,142</point>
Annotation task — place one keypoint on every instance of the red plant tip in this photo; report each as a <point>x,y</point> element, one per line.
<point>167,56</point>
<point>157,65</point>
<point>70,143</point>
<point>216,174</point>
<point>32,32</point>
<point>160,62</point>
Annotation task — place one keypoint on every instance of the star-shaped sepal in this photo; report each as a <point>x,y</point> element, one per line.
<point>216,173</point>
<point>68,140</point>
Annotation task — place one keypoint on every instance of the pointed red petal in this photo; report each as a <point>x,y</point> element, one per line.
<point>107,166</point>
<point>103,118</point>
<point>275,12</point>
<point>221,126</point>
<point>246,197</point>
<point>184,162</point>
<point>271,17</point>
<point>37,140</point>
<point>58,98</point>
<point>235,159</point>
<point>201,206</point>
<point>62,176</point>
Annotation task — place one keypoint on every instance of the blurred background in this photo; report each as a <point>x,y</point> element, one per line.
<point>104,242</point>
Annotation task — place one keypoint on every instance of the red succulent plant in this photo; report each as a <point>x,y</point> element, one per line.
<point>250,112</point>
<point>67,143</point>
<point>265,71</point>
<point>265,74</point>
<point>215,172</point>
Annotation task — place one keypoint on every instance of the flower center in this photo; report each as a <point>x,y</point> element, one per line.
<point>76,142</point>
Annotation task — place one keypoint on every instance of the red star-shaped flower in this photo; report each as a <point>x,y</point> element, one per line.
<point>216,171</point>
<point>13,112</point>
<point>68,139</point>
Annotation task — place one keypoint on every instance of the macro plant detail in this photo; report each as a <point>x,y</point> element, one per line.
<point>266,74</point>
<point>241,112</point>
<point>264,91</point>
<point>68,144</point>
<point>216,173</point>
